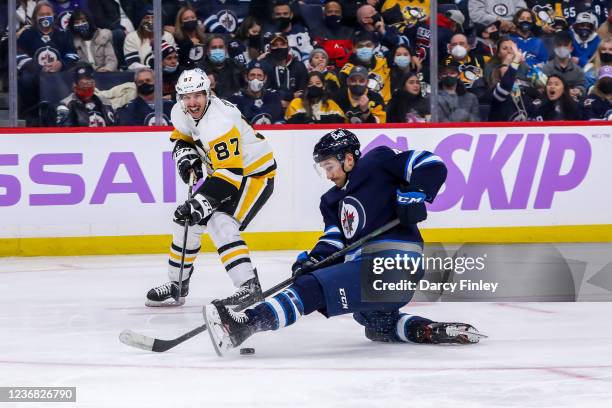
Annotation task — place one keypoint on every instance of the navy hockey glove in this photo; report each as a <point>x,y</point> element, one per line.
<point>187,159</point>
<point>410,206</point>
<point>303,264</point>
<point>193,211</point>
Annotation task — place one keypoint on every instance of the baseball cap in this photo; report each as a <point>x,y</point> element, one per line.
<point>605,71</point>
<point>456,16</point>
<point>277,36</point>
<point>84,71</point>
<point>586,17</point>
<point>358,70</point>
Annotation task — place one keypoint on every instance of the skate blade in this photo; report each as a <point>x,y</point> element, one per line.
<point>468,333</point>
<point>165,303</point>
<point>215,331</point>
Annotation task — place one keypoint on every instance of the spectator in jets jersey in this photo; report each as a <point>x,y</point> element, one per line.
<point>598,105</point>
<point>526,38</point>
<point>585,37</point>
<point>141,110</point>
<point>297,35</point>
<point>488,11</point>
<point>259,104</point>
<point>138,46</point>
<point>83,107</point>
<point>190,38</point>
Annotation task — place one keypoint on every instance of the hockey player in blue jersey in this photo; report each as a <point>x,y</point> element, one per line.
<point>369,192</point>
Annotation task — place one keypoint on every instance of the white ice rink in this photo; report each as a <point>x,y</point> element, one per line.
<point>60,319</point>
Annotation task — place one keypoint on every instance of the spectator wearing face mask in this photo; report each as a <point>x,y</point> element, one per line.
<point>471,66</point>
<point>141,110</point>
<point>486,40</point>
<point>557,104</point>
<point>319,62</point>
<point>297,35</point>
<point>332,26</point>
<point>563,65</point>
<point>315,105</point>
<point>455,104</point>
<point>285,73</point>
<point>138,44</point>
<point>363,55</point>
<point>598,104</point>
<point>63,10</point>
<point>370,21</point>
<point>526,38</point>
<point>408,105</point>
<point>259,104</point>
<point>401,62</point>
<point>171,71</point>
<point>248,43</point>
<point>227,70</point>
<point>190,38</point>
<point>94,45</point>
<point>41,48</point>
<point>360,104</point>
<point>585,39</point>
<point>83,107</point>
<point>601,58</point>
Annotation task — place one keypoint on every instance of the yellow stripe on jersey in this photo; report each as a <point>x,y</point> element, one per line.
<point>259,162</point>
<point>229,177</point>
<point>226,151</point>
<point>253,190</point>
<point>176,135</point>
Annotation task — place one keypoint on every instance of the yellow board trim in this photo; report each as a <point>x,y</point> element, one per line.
<point>266,241</point>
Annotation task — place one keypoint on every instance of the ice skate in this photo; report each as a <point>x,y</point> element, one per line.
<point>164,295</point>
<point>247,294</point>
<point>227,329</point>
<point>440,333</point>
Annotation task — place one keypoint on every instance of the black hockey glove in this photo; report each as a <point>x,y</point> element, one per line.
<point>193,211</point>
<point>303,264</point>
<point>187,159</point>
<point>410,206</point>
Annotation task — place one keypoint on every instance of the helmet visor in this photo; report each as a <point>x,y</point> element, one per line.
<point>328,167</point>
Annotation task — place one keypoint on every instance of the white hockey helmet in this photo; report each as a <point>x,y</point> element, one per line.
<point>192,80</point>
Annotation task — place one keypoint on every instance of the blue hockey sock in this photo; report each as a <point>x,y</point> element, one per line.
<point>406,325</point>
<point>303,297</point>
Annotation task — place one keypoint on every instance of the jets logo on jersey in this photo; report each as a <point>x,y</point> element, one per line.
<point>228,20</point>
<point>64,19</point>
<point>46,56</point>
<point>501,10</point>
<point>262,119</point>
<point>150,120</point>
<point>352,216</point>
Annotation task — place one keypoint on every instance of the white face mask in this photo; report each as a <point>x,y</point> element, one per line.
<point>459,52</point>
<point>256,85</point>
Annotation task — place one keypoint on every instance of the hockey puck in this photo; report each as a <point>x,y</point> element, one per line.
<point>247,351</point>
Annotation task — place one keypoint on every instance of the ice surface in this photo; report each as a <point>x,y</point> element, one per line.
<point>60,318</point>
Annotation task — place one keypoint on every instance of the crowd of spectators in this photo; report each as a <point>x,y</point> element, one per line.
<point>317,61</point>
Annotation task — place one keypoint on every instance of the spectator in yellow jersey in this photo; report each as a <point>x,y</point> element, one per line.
<point>360,104</point>
<point>315,105</point>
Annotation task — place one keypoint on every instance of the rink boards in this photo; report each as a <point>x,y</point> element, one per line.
<point>112,191</point>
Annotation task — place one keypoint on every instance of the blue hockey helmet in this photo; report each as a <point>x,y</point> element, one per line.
<point>336,144</point>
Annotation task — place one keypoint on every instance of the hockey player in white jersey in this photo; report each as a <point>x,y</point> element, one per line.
<point>211,133</point>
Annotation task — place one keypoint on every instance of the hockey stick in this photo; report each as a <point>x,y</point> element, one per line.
<point>133,339</point>
<point>192,177</point>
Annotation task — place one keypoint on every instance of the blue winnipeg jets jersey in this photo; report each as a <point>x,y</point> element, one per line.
<point>368,200</point>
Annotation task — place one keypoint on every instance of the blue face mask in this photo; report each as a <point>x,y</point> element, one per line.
<point>217,55</point>
<point>402,61</point>
<point>82,28</point>
<point>46,22</point>
<point>364,53</point>
<point>169,69</point>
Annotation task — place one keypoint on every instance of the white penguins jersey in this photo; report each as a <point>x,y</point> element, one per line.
<point>227,144</point>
